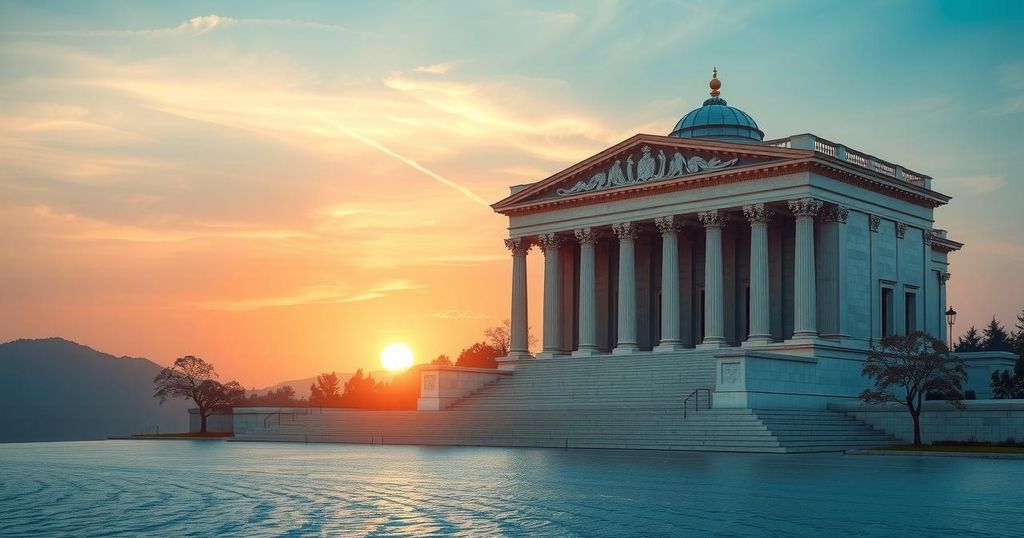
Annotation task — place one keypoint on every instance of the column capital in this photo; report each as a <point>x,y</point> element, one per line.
<point>758,213</point>
<point>518,245</point>
<point>874,221</point>
<point>901,230</point>
<point>944,277</point>
<point>835,213</point>
<point>805,207</point>
<point>669,224</point>
<point>712,219</point>
<point>587,236</point>
<point>626,230</point>
<point>550,242</point>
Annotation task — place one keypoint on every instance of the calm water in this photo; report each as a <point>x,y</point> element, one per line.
<point>182,487</point>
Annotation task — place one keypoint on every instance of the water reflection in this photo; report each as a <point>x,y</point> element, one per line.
<point>166,487</point>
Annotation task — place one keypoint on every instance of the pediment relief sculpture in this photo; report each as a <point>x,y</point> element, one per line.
<point>646,167</point>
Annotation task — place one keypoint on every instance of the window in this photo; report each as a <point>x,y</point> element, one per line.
<point>910,312</point>
<point>887,321</point>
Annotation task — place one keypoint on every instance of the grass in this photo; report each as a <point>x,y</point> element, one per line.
<point>956,448</point>
<point>207,435</point>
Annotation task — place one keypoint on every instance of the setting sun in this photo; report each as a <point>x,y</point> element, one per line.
<point>396,357</point>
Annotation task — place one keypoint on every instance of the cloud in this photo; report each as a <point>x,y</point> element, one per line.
<point>194,26</point>
<point>436,69</point>
<point>320,294</point>
<point>459,314</point>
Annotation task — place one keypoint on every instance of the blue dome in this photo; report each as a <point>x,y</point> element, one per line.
<point>716,120</point>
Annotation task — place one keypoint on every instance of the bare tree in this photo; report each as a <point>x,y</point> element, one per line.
<point>906,368</point>
<point>500,337</point>
<point>442,360</point>
<point>192,377</point>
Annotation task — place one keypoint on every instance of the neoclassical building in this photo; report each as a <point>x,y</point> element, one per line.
<point>785,258</point>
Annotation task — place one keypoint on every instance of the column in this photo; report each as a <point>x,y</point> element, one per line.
<point>552,295</point>
<point>626,232</point>
<point>805,313</point>
<point>588,293</point>
<point>519,347</point>
<point>714,292</point>
<point>760,329</point>
<point>830,244</point>
<point>669,228</point>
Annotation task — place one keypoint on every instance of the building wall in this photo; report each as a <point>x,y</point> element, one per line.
<point>992,420</point>
<point>215,423</point>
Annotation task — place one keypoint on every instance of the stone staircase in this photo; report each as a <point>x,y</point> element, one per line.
<point>622,402</point>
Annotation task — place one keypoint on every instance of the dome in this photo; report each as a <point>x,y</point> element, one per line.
<point>716,120</point>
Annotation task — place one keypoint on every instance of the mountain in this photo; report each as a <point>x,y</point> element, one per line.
<point>56,390</point>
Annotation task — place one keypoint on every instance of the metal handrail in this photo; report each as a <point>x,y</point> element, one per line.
<point>696,400</point>
<point>292,413</point>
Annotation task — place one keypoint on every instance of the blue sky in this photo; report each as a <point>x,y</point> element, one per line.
<point>269,144</point>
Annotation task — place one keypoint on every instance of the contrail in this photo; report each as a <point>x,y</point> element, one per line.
<point>441,179</point>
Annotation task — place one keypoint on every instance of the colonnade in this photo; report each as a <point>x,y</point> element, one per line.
<point>758,217</point>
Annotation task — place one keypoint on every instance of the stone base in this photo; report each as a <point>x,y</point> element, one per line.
<point>755,341</point>
<point>550,354</point>
<point>713,344</point>
<point>510,361</point>
<point>669,347</point>
<point>625,349</point>
<point>586,352</point>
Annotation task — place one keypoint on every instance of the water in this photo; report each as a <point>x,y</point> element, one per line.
<point>193,487</point>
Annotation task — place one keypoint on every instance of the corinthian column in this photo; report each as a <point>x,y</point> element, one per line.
<point>626,232</point>
<point>759,216</point>
<point>805,322</point>
<point>588,293</point>
<point>552,295</point>
<point>519,339</point>
<point>669,228</point>
<point>714,292</point>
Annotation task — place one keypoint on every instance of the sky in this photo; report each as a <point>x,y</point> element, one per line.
<point>285,188</point>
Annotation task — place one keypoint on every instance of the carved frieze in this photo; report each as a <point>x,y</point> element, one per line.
<point>647,168</point>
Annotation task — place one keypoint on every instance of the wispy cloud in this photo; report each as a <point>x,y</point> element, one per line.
<point>436,69</point>
<point>194,26</point>
<point>459,314</point>
<point>320,294</point>
<point>978,184</point>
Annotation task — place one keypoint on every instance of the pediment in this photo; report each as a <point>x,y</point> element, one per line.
<point>645,160</point>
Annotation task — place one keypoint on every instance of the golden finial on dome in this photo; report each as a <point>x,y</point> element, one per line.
<point>715,83</point>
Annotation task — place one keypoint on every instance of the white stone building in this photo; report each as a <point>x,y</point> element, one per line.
<point>790,257</point>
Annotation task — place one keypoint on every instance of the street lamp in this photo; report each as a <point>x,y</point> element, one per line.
<point>951,319</point>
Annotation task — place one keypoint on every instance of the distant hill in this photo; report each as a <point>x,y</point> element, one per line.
<point>56,390</point>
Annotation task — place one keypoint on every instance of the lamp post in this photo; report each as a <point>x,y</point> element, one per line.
<point>950,319</point>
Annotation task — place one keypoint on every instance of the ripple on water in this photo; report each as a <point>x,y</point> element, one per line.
<point>173,488</point>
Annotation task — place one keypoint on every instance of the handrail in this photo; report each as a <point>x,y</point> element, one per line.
<point>293,413</point>
<point>696,400</point>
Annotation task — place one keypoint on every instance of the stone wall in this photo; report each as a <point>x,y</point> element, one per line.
<point>217,422</point>
<point>982,420</point>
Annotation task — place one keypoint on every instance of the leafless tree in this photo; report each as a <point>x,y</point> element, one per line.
<point>500,337</point>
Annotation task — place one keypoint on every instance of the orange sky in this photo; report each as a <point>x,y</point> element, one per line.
<point>286,193</point>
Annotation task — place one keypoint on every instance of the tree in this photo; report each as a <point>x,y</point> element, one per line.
<point>995,337</point>
<point>324,393</point>
<point>282,397</point>
<point>360,391</point>
<point>1007,385</point>
<point>500,337</point>
<point>1018,343</point>
<point>192,377</point>
<point>969,342</point>
<point>905,368</point>
<point>442,360</point>
<point>479,355</point>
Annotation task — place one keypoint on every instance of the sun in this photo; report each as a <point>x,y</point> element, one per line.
<point>396,357</point>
